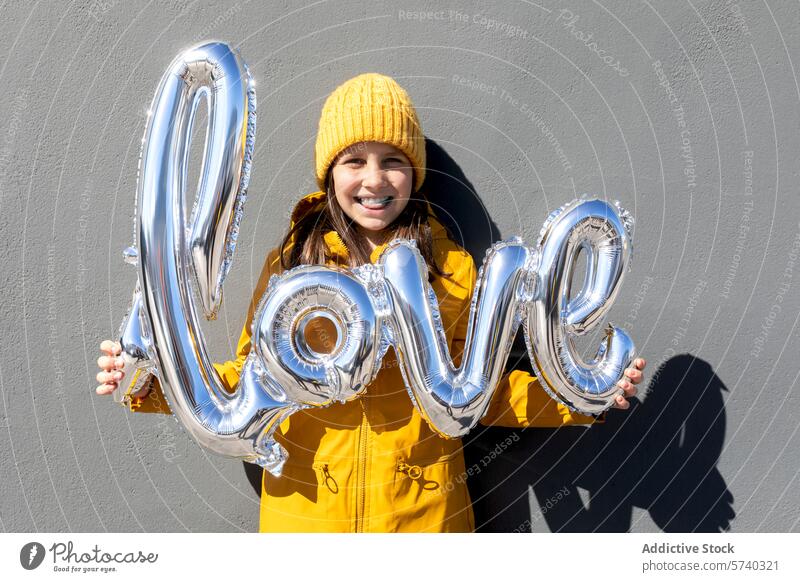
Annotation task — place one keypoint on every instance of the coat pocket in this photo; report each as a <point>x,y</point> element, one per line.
<point>431,494</point>
<point>325,478</point>
<point>306,498</point>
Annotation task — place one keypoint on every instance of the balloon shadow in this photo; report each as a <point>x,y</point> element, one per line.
<point>660,455</point>
<point>254,474</point>
<point>456,204</point>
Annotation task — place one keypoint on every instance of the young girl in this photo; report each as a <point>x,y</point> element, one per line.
<point>373,464</point>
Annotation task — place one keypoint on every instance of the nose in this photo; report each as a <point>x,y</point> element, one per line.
<point>374,176</point>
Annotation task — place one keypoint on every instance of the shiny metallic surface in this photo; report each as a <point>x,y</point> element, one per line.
<point>369,308</point>
<point>226,172</point>
<point>162,333</point>
<point>602,231</point>
<point>452,399</point>
<point>136,348</point>
<point>516,285</point>
<point>309,377</point>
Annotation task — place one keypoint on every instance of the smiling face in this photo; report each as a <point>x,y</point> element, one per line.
<point>373,182</point>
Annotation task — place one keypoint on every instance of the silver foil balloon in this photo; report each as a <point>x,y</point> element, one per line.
<point>292,302</point>
<point>392,303</point>
<point>161,334</point>
<point>369,308</point>
<point>452,399</point>
<point>602,232</point>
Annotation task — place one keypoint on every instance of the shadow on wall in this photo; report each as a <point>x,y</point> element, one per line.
<point>456,203</point>
<point>661,455</point>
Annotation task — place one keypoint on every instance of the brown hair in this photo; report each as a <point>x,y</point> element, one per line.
<point>309,231</point>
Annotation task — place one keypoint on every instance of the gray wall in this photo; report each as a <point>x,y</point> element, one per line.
<point>693,125</point>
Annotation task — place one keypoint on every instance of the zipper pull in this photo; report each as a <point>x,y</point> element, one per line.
<point>413,471</point>
<point>328,479</point>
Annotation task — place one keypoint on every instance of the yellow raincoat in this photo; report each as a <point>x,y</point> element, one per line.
<point>373,464</point>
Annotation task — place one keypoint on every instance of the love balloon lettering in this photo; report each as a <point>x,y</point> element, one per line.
<point>182,266</point>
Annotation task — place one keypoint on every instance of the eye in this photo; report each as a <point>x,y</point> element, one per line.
<point>353,161</point>
<point>396,161</point>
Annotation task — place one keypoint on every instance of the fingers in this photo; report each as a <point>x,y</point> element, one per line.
<point>108,382</point>
<point>109,377</point>
<point>628,384</point>
<point>111,348</point>
<point>111,365</point>
<point>108,363</point>
<point>105,389</point>
<point>628,388</point>
<point>621,403</point>
<point>634,374</point>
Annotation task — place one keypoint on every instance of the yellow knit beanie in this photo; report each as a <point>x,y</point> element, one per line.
<point>369,107</point>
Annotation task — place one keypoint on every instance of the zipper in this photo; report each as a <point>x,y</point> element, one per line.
<point>341,242</point>
<point>361,491</point>
<point>363,449</point>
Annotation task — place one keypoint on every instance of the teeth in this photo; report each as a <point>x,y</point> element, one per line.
<point>374,202</point>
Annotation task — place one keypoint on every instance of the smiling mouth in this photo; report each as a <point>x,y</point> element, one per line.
<point>374,203</point>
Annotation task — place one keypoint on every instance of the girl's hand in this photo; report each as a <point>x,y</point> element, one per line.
<point>628,384</point>
<point>111,365</point>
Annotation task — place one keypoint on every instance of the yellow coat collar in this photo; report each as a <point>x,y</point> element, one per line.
<point>336,246</point>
